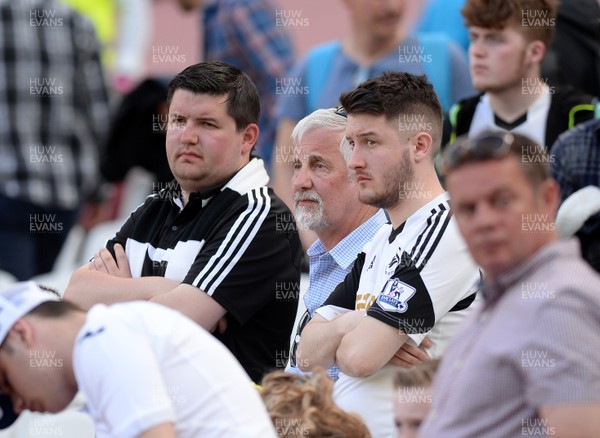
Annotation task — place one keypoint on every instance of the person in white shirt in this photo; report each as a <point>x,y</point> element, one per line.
<point>144,370</point>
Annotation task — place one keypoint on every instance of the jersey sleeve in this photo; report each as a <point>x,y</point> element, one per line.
<point>428,283</point>
<point>405,301</point>
<point>252,257</point>
<point>129,395</point>
<point>127,228</point>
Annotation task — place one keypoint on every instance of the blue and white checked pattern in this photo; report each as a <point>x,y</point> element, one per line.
<point>328,269</point>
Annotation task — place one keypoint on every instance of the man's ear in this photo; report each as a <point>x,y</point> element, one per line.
<point>535,51</point>
<point>422,143</point>
<point>23,332</point>
<point>550,195</point>
<point>249,138</point>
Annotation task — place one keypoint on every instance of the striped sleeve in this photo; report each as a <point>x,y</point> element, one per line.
<point>431,278</point>
<point>236,241</point>
<point>247,257</point>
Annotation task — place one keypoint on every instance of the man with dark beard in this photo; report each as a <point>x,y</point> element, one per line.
<point>415,279</point>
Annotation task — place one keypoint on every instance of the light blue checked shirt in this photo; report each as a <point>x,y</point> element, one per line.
<point>327,270</point>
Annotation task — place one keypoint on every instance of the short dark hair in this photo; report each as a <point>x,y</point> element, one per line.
<point>54,309</point>
<point>532,157</point>
<point>394,94</point>
<point>219,78</point>
<point>497,14</point>
<point>48,309</point>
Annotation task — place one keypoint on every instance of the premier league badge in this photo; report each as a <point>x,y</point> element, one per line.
<point>395,295</point>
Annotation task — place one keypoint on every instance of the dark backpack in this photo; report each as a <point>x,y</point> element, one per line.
<point>574,54</point>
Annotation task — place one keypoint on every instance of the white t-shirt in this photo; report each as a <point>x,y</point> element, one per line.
<point>418,278</point>
<point>140,364</point>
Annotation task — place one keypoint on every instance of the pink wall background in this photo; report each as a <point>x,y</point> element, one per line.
<point>178,32</point>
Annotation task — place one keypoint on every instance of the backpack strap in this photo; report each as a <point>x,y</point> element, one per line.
<point>568,108</point>
<point>459,118</point>
<point>317,69</point>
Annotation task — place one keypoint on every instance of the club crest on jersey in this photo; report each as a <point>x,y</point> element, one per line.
<point>372,262</point>
<point>395,295</point>
<point>391,267</point>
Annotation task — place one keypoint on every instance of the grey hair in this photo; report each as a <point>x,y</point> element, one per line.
<point>323,119</point>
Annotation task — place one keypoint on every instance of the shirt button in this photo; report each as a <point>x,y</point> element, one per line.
<point>174,228</point>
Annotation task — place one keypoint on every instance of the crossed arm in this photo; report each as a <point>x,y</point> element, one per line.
<point>108,280</point>
<point>358,344</point>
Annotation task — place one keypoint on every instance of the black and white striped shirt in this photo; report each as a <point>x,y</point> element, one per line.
<point>239,244</point>
<point>418,278</point>
<point>412,276</point>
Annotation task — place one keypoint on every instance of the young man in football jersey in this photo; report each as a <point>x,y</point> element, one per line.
<point>508,43</point>
<point>416,277</point>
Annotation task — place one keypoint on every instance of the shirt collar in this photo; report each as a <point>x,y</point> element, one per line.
<point>203,195</point>
<point>493,291</point>
<point>344,253</point>
<point>250,176</point>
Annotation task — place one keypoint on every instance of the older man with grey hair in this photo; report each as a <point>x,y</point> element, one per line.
<point>326,201</point>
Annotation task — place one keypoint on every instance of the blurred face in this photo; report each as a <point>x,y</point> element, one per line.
<point>411,406</point>
<point>380,17</point>
<point>323,192</point>
<point>31,376</point>
<point>499,214</point>
<point>203,146</point>
<point>498,58</point>
<point>380,158</point>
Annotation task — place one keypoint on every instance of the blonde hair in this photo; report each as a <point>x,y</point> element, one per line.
<point>421,374</point>
<point>303,406</point>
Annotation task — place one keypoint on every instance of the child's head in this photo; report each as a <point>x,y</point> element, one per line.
<point>303,406</point>
<point>412,399</point>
